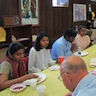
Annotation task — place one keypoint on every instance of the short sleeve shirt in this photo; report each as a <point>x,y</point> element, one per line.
<point>6,68</point>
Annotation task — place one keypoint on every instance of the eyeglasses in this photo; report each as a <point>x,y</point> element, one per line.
<point>60,78</point>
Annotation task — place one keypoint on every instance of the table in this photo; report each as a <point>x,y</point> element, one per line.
<point>91,54</point>
<point>54,87</point>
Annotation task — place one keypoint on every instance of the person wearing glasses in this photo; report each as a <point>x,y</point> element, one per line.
<point>82,40</point>
<point>13,70</point>
<point>76,78</point>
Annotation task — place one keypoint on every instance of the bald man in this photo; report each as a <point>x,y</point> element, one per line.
<point>75,77</point>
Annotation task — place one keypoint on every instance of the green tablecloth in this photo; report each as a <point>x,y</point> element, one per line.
<point>91,54</point>
<point>54,87</point>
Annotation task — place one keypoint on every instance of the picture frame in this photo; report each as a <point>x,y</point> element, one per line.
<point>93,0</point>
<point>60,3</point>
<point>29,12</point>
<point>10,20</point>
<point>79,12</point>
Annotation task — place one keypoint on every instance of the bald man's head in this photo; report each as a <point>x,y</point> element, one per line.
<point>74,64</point>
<point>72,70</point>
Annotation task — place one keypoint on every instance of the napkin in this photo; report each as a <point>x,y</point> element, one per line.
<point>28,82</point>
<point>93,62</point>
<point>52,62</point>
<point>53,68</point>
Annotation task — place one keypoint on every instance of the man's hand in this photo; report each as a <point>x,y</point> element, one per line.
<point>74,47</point>
<point>69,94</point>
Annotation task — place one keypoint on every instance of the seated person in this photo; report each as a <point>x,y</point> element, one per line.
<point>82,40</point>
<point>76,78</point>
<point>13,70</point>
<point>39,55</point>
<point>63,46</point>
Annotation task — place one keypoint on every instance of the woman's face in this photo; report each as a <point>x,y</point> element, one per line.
<point>44,42</point>
<point>17,56</point>
<point>82,32</point>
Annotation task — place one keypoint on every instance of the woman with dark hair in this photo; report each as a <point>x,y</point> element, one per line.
<point>39,55</point>
<point>82,40</point>
<point>13,69</point>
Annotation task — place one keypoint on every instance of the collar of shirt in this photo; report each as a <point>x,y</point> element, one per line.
<point>84,82</point>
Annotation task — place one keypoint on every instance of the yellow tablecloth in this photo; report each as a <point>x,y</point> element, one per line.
<point>54,87</point>
<point>91,54</point>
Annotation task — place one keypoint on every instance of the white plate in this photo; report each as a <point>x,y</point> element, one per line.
<point>53,68</point>
<point>41,75</point>
<point>83,53</point>
<point>17,87</point>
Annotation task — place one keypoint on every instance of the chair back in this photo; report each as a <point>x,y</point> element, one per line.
<point>25,59</point>
<point>2,34</point>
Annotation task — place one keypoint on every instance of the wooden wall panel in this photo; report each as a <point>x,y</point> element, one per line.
<point>8,7</point>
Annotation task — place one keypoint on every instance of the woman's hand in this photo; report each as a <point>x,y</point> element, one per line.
<point>5,83</point>
<point>30,76</point>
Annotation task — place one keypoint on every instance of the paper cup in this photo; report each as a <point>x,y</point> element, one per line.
<point>41,90</point>
<point>33,84</point>
<point>60,59</point>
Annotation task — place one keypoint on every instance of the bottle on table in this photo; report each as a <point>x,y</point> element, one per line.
<point>79,50</point>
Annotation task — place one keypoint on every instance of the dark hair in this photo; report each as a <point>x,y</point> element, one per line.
<point>37,45</point>
<point>14,47</point>
<point>80,27</point>
<point>70,33</point>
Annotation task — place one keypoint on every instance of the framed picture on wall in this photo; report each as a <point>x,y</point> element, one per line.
<point>93,0</point>
<point>79,12</point>
<point>29,12</point>
<point>60,3</point>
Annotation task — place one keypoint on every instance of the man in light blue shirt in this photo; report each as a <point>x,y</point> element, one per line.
<point>63,46</point>
<point>76,78</point>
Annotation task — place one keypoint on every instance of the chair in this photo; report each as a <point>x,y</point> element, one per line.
<point>25,59</point>
<point>2,35</point>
